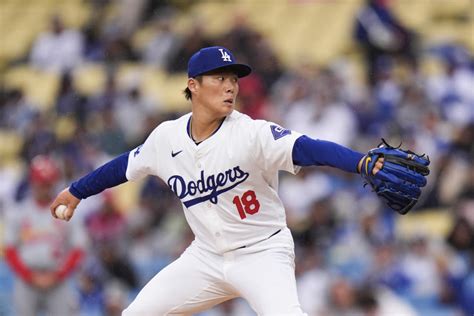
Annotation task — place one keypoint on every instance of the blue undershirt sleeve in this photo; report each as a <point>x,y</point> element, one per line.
<point>107,176</point>
<point>310,152</point>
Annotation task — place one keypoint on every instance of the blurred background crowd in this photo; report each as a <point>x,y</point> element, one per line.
<point>85,80</point>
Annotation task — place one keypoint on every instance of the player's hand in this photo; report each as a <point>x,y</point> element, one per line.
<point>377,167</point>
<point>398,178</point>
<point>65,198</point>
<point>44,280</point>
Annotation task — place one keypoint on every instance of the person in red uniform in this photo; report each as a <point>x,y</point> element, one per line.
<point>42,251</point>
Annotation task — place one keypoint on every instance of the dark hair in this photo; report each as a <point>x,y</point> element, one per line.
<point>187,92</point>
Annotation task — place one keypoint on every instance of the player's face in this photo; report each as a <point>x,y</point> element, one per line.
<point>42,192</point>
<point>217,92</point>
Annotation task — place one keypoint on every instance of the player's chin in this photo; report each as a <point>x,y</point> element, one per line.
<point>227,108</point>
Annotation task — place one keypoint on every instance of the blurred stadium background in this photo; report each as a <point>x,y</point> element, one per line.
<point>85,80</point>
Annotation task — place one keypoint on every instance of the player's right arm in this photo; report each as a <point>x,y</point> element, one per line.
<point>132,165</point>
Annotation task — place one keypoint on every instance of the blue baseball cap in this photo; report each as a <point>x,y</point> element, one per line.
<point>212,58</point>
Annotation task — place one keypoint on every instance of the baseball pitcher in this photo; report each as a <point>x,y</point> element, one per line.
<point>224,166</point>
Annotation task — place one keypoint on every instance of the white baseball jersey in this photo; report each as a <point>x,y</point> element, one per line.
<point>228,184</point>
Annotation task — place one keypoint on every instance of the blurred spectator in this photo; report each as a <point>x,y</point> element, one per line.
<point>116,266</point>
<point>334,119</point>
<point>93,44</point>
<point>8,187</point>
<point>58,50</point>
<point>192,42</point>
<point>91,294</point>
<point>16,113</point>
<point>68,101</point>
<point>42,251</point>
<point>106,97</point>
<point>39,138</point>
<point>133,107</point>
<point>265,61</point>
<point>312,280</point>
<point>387,93</point>
<point>130,13</point>
<point>252,97</point>
<point>382,302</point>
<point>251,45</point>
<point>155,229</point>
<point>351,238</point>
<point>342,298</point>
<point>467,298</point>
<point>115,298</point>
<point>294,85</point>
<point>118,48</point>
<point>109,134</point>
<point>387,270</point>
<point>452,89</point>
<point>240,38</point>
<point>160,50</point>
<point>461,237</point>
<point>315,109</point>
<point>413,108</point>
<point>420,267</point>
<point>457,162</point>
<point>455,264</point>
<point>106,227</point>
<point>301,192</point>
<point>319,226</point>
<point>380,33</point>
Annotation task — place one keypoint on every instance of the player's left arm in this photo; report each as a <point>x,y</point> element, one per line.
<point>315,152</point>
<point>396,175</point>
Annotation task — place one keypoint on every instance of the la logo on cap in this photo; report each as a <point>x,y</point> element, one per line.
<point>225,56</point>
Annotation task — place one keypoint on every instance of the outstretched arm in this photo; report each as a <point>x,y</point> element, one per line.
<point>315,152</point>
<point>107,176</point>
<point>396,175</point>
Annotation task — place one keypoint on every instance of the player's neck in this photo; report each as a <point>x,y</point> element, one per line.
<point>202,128</point>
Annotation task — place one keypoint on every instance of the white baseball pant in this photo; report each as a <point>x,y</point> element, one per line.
<point>263,274</point>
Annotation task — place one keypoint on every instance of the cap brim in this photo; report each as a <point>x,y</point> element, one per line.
<point>241,70</point>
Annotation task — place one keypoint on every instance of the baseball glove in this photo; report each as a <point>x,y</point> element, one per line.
<point>401,178</point>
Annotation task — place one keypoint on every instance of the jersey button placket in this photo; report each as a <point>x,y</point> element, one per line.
<point>215,225</point>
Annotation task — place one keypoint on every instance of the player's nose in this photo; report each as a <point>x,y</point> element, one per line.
<point>230,86</point>
<point>229,90</point>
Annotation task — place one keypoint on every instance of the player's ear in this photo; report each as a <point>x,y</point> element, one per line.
<point>192,84</point>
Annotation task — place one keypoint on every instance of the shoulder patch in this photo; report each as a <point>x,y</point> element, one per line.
<point>279,132</point>
<point>137,150</point>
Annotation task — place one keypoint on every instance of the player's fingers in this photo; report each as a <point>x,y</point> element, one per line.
<point>52,207</point>
<point>69,212</point>
<point>59,200</point>
<point>378,165</point>
<point>67,199</point>
<point>73,202</point>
